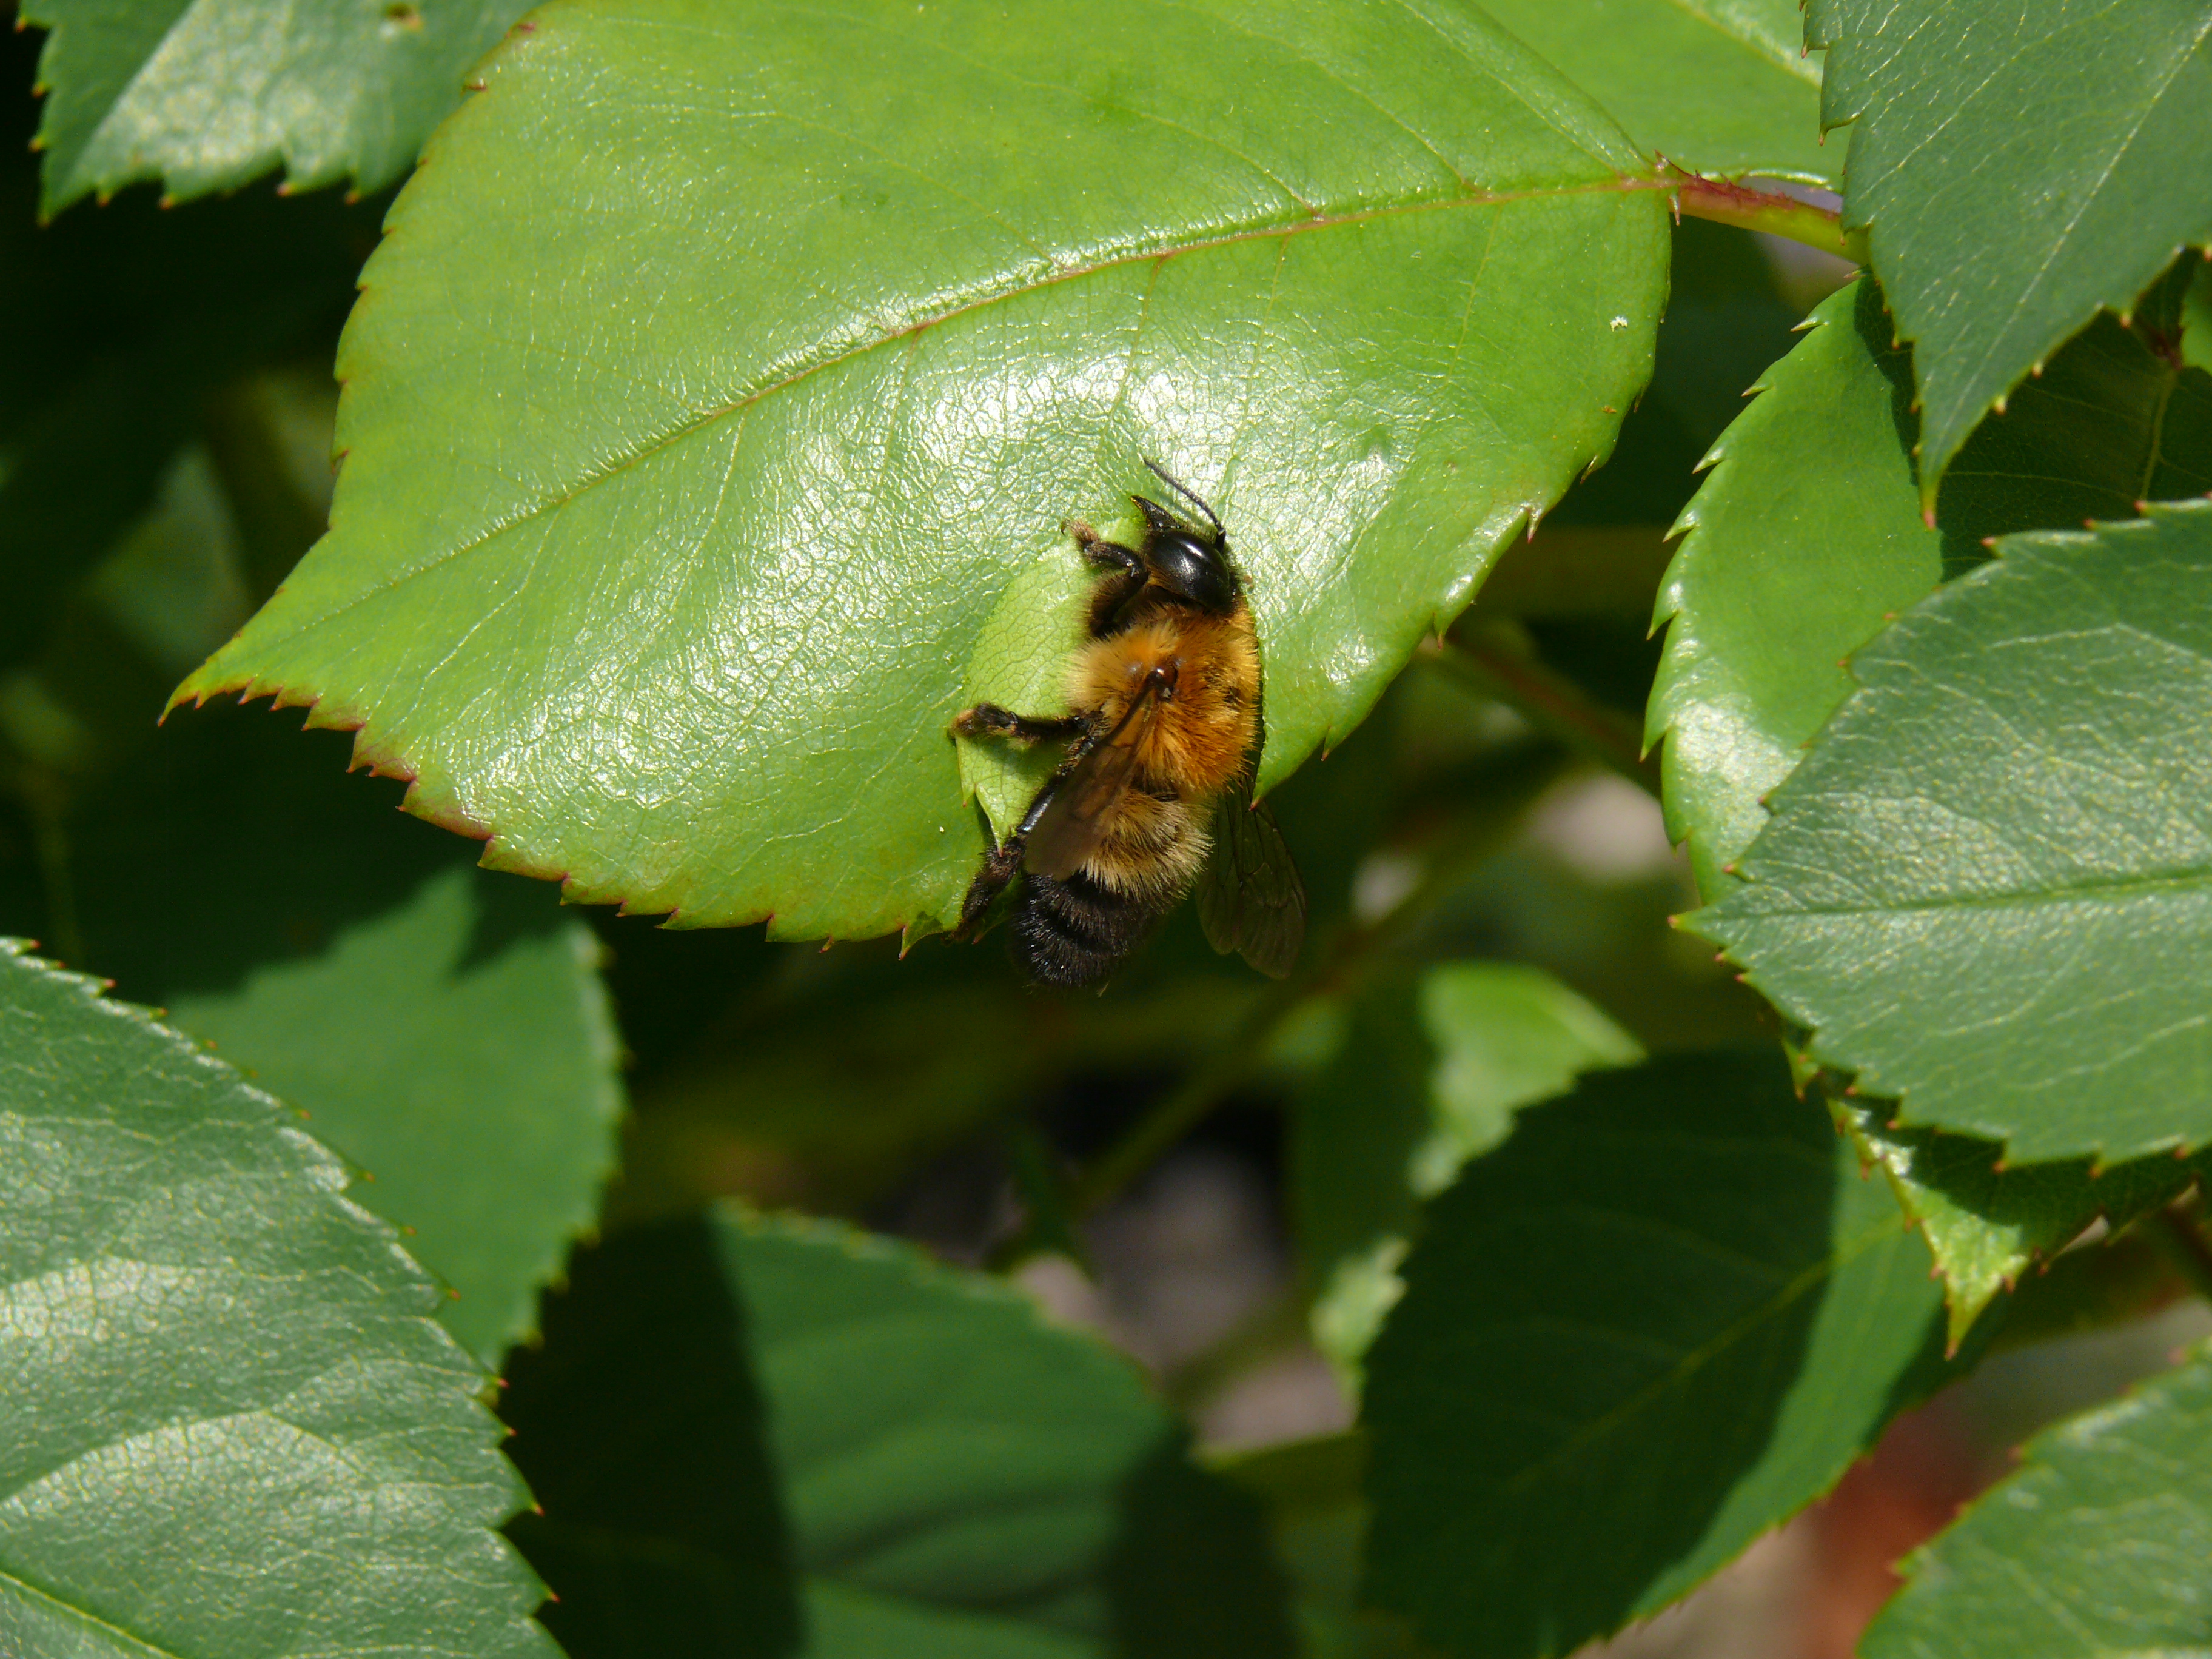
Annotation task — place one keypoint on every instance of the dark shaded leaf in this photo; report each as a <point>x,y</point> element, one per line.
<point>1668,1313</point>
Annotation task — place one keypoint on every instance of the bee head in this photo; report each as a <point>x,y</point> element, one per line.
<point>1188,560</point>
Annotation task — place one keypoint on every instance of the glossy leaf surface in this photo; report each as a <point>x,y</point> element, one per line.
<point>1723,89</point>
<point>2109,1520</point>
<point>2016,166</point>
<point>1988,890</point>
<point>1662,1317</point>
<point>204,96</point>
<point>876,1457</point>
<point>233,1426</point>
<point>1807,516</point>
<point>725,368</point>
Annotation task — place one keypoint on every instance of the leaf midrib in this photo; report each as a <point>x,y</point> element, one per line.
<point>2186,880</point>
<point>1738,1331</point>
<point>83,1616</point>
<point>840,357</point>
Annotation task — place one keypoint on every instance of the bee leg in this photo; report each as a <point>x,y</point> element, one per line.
<point>988,719</point>
<point>1126,580</point>
<point>999,866</point>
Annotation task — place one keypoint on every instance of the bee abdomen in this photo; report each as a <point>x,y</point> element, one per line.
<point>1074,932</point>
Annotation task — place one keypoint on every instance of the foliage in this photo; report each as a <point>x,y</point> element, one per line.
<point>712,404</point>
<point>164,1218</point>
<point>2113,1555</point>
<point>956,1476</point>
<point>1662,1316</point>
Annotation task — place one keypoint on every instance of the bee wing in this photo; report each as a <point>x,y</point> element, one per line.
<point>1075,823</point>
<point>1249,898</point>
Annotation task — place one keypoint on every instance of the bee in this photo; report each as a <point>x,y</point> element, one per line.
<point>1154,792</point>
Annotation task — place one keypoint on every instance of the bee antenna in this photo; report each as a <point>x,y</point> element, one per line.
<point>1189,495</point>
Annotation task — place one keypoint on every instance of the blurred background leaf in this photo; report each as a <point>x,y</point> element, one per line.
<point>942,1471</point>
<point>1428,1075</point>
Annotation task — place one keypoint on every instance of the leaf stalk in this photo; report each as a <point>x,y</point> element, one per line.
<point>1768,211</point>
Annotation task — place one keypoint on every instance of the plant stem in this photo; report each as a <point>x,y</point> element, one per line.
<point>2184,1245</point>
<point>1771,211</point>
<point>1486,660</point>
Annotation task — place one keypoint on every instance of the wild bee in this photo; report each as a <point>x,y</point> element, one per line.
<point>1162,741</point>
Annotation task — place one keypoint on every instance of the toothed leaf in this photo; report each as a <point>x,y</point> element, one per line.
<point>232,1425</point>
<point>1989,1225</point>
<point>205,94</point>
<point>1664,1315</point>
<point>444,1027</point>
<point>1807,536</point>
<point>2015,167</point>
<point>1988,890</point>
<point>2095,1549</point>
<point>723,369</point>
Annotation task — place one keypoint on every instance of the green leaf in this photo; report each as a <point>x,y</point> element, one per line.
<point>675,600</point>
<point>1807,536</point>
<point>1718,89</point>
<point>1664,1315</point>
<point>233,1426</point>
<point>1988,1225</point>
<point>442,1026</point>
<point>2095,1549</point>
<point>204,96</point>
<point>945,1473</point>
<point>1988,890</point>
<point>2015,167</point>
<point>1804,536</point>
<point>1427,1076</point>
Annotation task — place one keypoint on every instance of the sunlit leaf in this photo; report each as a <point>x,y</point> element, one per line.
<point>233,1426</point>
<point>1988,1225</point>
<point>1987,891</point>
<point>204,95</point>
<point>2094,1550</point>
<point>723,368</point>
<point>1807,536</point>
<point>2016,166</point>
<point>1719,89</point>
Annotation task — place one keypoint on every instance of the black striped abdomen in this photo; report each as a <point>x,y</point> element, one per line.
<point>1074,932</point>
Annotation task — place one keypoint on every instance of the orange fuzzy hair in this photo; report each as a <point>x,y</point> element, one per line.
<point>1195,746</point>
